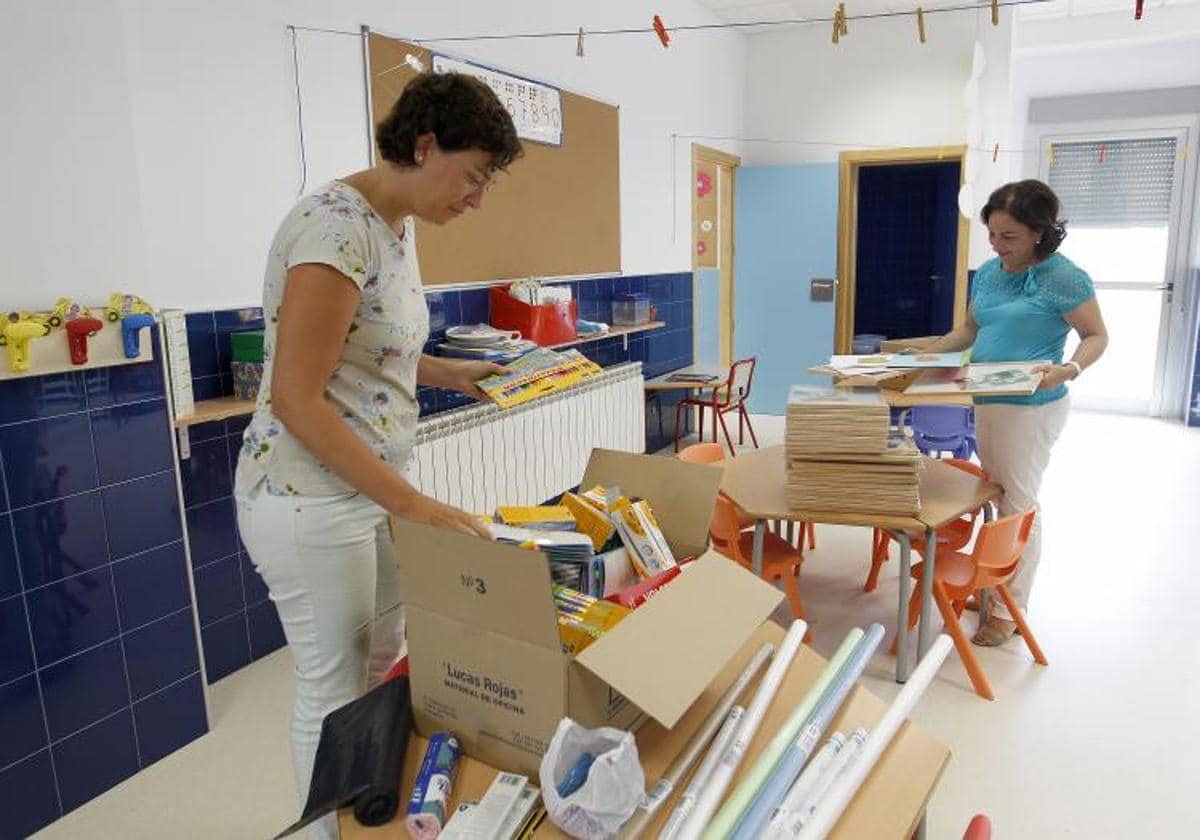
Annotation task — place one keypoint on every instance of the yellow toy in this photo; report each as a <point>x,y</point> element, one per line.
<point>17,332</point>
<point>65,310</point>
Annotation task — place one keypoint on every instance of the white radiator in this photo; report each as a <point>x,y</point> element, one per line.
<point>480,457</point>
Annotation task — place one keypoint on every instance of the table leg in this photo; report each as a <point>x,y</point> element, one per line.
<point>905,586</point>
<point>760,533</point>
<point>923,636</point>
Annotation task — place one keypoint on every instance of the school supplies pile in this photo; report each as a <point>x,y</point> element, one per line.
<point>569,553</point>
<point>842,457</point>
<point>537,374</point>
<point>582,619</point>
<point>509,810</point>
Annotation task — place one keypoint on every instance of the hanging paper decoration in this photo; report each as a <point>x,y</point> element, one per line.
<point>701,248</point>
<point>704,214</point>
<point>703,183</point>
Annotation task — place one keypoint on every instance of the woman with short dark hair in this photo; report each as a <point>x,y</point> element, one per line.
<point>1023,304</point>
<point>321,466</point>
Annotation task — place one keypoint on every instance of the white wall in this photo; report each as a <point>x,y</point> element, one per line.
<point>879,87</point>
<point>152,145</point>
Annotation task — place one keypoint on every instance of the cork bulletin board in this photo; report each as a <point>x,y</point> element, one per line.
<point>557,212</point>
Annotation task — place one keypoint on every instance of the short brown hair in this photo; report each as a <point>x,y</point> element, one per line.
<point>1034,205</point>
<point>459,110</point>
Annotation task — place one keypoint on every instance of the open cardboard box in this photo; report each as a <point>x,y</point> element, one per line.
<point>484,652</point>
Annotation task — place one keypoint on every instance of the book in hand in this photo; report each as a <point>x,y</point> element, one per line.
<point>537,374</point>
<point>953,360</point>
<point>981,379</point>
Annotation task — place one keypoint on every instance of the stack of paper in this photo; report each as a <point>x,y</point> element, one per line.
<point>841,457</point>
<point>881,367</point>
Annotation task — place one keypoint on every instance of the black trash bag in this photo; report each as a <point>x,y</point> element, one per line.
<point>360,757</point>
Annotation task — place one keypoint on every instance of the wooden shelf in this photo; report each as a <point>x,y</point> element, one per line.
<point>221,408</point>
<point>613,332</point>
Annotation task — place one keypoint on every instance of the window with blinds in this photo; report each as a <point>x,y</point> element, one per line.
<point>1115,183</point>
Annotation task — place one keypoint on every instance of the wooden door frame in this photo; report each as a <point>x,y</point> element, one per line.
<point>849,164</point>
<point>725,285</point>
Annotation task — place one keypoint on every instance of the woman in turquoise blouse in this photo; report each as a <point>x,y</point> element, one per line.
<point>1023,304</point>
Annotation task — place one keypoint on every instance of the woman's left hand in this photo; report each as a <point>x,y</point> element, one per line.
<point>465,374</point>
<point>1054,375</point>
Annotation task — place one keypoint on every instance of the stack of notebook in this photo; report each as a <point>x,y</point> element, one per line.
<point>569,553</point>
<point>841,457</point>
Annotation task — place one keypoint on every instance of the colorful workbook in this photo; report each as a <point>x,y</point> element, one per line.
<point>538,374</point>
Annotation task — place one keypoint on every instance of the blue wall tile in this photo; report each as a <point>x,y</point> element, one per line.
<point>16,651</point>
<point>202,344</point>
<point>170,719</point>
<point>212,531</point>
<point>218,590</point>
<point>10,579</point>
<point>22,730</point>
<point>206,387</point>
<point>27,796</point>
<point>132,440</point>
<point>205,475</point>
<point>95,760</point>
<point>476,306</point>
<point>35,397</point>
<point>46,459</point>
<point>141,514</point>
<point>205,431</point>
<point>151,585</point>
<point>226,646</point>
<point>123,384</point>
<point>83,689</point>
<point>161,653</point>
<point>234,427</point>
<point>72,615</point>
<point>60,538</point>
<point>266,631</point>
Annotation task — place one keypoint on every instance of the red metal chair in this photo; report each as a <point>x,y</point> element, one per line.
<point>731,396</point>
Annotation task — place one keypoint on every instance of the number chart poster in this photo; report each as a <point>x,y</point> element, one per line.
<point>536,109</point>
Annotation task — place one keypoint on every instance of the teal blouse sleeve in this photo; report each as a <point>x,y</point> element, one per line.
<point>1068,287</point>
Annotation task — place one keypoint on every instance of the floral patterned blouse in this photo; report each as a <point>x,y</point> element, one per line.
<point>374,384</point>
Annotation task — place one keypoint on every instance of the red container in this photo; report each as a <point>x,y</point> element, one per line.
<point>549,323</point>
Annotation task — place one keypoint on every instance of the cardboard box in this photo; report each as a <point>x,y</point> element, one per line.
<point>484,652</point>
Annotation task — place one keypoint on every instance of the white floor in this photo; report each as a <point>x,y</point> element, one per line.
<point>1103,743</point>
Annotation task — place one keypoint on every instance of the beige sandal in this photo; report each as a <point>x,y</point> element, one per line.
<point>994,632</point>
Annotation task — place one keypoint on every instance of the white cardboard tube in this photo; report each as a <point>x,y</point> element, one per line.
<point>683,808</point>
<point>712,794</point>
<point>844,788</point>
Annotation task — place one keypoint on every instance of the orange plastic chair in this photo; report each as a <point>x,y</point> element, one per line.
<point>712,453</point>
<point>957,575</point>
<point>702,453</point>
<point>954,535</point>
<point>781,560</point>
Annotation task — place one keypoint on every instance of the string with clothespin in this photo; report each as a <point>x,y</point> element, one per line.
<point>921,24</point>
<point>839,23</point>
<point>1137,10</point>
<point>579,44</point>
<point>995,12</point>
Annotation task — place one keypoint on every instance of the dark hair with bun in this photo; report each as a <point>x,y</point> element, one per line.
<point>1034,205</point>
<point>459,110</point>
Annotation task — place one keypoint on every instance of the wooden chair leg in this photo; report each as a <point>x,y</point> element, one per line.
<point>741,429</point>
<point>971,662</point>
<point>1022,625</point>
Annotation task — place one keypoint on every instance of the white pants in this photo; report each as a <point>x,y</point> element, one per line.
<point>1014,447</point>
<point>327,561</point>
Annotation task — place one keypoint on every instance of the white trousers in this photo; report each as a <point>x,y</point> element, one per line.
<point>1014,447</point>
<point>327,561</point>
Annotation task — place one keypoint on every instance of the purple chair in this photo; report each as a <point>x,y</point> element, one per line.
<point>943,428</point>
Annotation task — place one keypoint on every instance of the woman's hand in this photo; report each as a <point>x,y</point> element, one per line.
<point>464,375</point>
<point>432,512</point>
<point>456,375</point>
<point>1054,375</point>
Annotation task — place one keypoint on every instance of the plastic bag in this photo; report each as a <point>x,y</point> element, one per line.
<point>614,786</point>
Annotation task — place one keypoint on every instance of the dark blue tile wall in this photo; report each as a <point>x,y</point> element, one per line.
<point>239,624</point>
<point>96,617</point>
<point>228,589</point>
